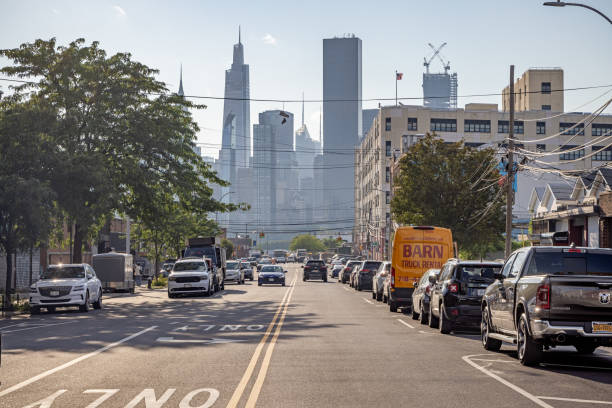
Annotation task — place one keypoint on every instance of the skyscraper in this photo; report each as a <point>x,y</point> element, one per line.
<point>342,122</point>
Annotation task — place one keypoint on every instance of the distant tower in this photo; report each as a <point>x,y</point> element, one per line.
<point>439,90</point>
<point>180,90</point>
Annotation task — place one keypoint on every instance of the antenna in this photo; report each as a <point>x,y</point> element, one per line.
<point>238,33</point>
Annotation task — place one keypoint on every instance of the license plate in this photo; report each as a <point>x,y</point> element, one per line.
<point>602,327</point>
<point>54,293</point>
<point>187,285</point>
<point>270,279</point>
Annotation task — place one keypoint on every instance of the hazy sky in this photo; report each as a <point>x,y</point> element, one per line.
<point>283,44</point>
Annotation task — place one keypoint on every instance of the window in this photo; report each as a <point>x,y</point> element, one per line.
<point>518,264</point>
<point>387,124</point>
<point>540,128</point>
<point>573,155</point>
<point>508,266</point>
<point>600,129</point>
<point>503,126</point>
<point>387,174</point>
<point>565,128</point>
<point>444,125</point>
<point>412,123</point>
<point>477,126</point>
<point>541,147</point>
<point>546,107</point>
<point>603,155</point>
<point>388,148</point>
<point>445,273</point>
<point>387,197</point>
<point>545,87</point>
<point>473,144</point>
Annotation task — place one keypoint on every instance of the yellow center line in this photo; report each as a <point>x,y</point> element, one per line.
<point>237,395</point>
<point>263,370</point>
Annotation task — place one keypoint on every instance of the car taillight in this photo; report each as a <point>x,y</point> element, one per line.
<point>427,290</point>
<point>543,296</point>
<point>453,288</point>
<point>306,268</point>
<point>392,277</point>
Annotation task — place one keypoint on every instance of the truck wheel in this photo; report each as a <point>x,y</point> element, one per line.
<point>445,325</point>
<point>423,315</point>
<point>529,352</point>
<point>487,342</point>
<point>432,320</point>
<point>85,306</point>
<point>392,306</point>
<point>98,303</point>
<point>585,348</point>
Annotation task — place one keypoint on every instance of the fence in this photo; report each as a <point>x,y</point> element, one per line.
<point>18,303</point>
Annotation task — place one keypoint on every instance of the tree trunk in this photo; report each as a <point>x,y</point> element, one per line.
<point>77,253</point>
<point>31,254</point>
<point>9,278</point>
<point>156,257</point>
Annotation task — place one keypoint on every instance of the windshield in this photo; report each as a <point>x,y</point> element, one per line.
<point>371,266</point>
<point>190,266</point>
<point>477,273</point>
<point>245,265</point>
<point>316,262</point>
<point>558,263</point>
<point>232,265</point>
<point>63,272</point>
<point>199,252</point>
<point>167,266</point>
<point>272,268</point>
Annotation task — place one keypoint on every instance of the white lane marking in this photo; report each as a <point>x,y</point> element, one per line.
<point>367,300</point>
<point>186,401</point>
<point>34,327</point>
<point>345,288</point>
<point>106,394</point>
<point>574,366</point>
<point>46,402</point>
<point>492,360</point>
<point>508,384</point>
<point>577,400</point>
<point>72,362</point>
<point>405,324</point>
<point>424,332</point>
<point>195,341</point>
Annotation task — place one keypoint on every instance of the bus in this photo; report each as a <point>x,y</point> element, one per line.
<point>415,250</point>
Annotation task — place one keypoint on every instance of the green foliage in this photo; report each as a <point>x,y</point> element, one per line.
<point>330,242</point>
<point>122,142</point>
<point>229,247</point>
<point>159,282</point>
<point>308,242</point>
<point>452,186</point>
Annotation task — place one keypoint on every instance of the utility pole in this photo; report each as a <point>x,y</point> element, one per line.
<point>510,170</point>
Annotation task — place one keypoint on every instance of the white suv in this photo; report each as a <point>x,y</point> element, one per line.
<point>190,275</point>
<point>66,285</point>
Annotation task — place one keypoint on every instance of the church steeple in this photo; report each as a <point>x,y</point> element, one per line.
<point>180,90</point>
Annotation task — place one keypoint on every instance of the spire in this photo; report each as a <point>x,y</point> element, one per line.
<point>180,90</point>
<point>239,34</point>
<point>302,109</point>
<point>238,51</point>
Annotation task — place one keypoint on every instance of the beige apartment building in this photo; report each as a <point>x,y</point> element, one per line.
<point>395,128</point>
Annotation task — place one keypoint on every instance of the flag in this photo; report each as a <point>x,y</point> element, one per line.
<point>398,76</point>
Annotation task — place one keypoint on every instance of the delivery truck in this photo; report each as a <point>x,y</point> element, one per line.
<point>115,271</point>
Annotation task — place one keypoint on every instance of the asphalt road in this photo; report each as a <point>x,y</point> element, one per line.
<point>309,344</point>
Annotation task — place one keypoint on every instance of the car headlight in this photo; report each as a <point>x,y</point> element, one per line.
<point>78,288</point>
<point>171,278</point>
<point>204,277</point>
<point>33,289</point>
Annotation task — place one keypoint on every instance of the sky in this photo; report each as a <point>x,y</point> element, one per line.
<point>283,45</point>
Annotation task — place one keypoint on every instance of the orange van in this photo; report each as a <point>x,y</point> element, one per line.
<point>415,250</point>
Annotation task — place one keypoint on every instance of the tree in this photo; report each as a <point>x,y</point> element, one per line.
<point>121,136</point>
<point>229,247</point>
<point>331,243</point>
<point>452,186</point>
<point>307,242</point>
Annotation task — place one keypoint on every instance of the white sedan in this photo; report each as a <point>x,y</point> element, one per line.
<point>66,285</point>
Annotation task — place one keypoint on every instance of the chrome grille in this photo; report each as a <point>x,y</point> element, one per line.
<point>62,290</point>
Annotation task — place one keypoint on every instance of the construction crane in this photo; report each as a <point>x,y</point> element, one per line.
<point>436,53</point>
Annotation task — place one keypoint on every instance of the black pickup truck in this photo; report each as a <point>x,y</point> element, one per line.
<point>547,297</point>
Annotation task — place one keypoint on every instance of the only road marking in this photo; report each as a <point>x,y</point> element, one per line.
<point>206,341</point>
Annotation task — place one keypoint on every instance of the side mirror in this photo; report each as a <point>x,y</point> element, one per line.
<point>302,266</point>
<point>433,279</point>
<point>499,276</point>
<point>284,271</point>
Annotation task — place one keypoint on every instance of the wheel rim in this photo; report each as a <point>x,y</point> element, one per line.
<point>484,330</point>
<point>521,339</point>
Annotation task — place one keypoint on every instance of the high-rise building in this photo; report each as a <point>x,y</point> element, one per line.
<point>342,123</point>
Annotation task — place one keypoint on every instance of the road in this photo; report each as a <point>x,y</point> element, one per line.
<point>309,344</point>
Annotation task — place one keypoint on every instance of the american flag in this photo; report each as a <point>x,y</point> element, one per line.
<point>398,76</point>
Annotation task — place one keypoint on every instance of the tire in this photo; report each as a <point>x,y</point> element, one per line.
<point>485,328</point>
<point>258,283</point>
<point>325,279</point>
<point>85,307</point>
<point>222,287</point>
<point>415,315</point>
<point>529,352</point>
<point>379,296</point>
<point>445,325</point>
<point>422,317</point>
<point>170,295</point>
<point>98,303</point>
<point>585,348</point>
<point>432,321</point>
<point>251,278</point>
<point>358,287</point>
<point>35,310</point>
<point>392,306</point>
<point>373,295</point>
<point>304,278</point>
<point>283,283</point>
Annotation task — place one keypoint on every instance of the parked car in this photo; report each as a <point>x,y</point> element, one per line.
<point>378,280</point>
<point>336,271</point>
<point>456,297</point>
<point>248,269</point>
<point>316,269</point>
<point>190,275</point>
<point>354,272</point>
<point>421,295</point>
<point>345,275</point>
<point>234,272</point>
<point>262,262</point>
<point>365,274</point>
<point>271,274</point>
<point>547,297</point>
<point>64,286</point>
<point>291,258</point>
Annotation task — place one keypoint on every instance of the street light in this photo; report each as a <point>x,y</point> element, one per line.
<point>221,200</point>
<point>560,3</point>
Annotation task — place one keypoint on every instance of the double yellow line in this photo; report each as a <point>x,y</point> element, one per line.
<point>263,369</point>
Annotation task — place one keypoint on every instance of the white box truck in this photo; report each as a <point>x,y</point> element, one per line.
<point>115,271</point>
